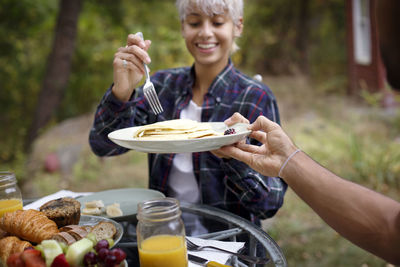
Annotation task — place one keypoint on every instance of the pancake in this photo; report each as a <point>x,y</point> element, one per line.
<point>175,130</point>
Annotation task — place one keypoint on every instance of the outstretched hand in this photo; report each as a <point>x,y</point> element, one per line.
<point>268,158</point>
<point>235,118</point>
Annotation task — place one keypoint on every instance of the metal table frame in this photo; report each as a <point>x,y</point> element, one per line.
<point>236,226</point>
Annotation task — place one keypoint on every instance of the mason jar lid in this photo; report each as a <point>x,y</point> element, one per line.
<point>7,178</point>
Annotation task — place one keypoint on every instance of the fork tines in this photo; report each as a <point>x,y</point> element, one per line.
<point>151,96</point>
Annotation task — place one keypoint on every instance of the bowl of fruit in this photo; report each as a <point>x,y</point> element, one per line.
<point>85,252</point>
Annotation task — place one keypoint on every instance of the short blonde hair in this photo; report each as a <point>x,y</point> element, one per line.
<point>234,9</point>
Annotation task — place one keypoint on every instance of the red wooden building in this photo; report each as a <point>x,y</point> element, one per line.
<point>366,70</point>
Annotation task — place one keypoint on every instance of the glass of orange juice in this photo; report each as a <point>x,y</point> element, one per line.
<point>161,234</point>
<point>10,195</point>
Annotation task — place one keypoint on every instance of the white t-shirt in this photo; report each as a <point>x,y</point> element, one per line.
<point>182,182</point>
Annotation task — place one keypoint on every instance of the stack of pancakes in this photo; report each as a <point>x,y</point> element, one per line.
<point>175,130</point>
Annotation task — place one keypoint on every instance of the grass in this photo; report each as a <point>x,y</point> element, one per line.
<point>354,140</point>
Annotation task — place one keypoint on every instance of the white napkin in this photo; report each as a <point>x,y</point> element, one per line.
<point>62,193</point>
<point>212,254</point>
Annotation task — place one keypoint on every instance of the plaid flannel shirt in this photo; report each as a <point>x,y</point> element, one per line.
<point>226,184</point>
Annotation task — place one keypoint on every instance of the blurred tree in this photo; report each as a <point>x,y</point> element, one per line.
<point>280,37</point>
<point>58,67</point>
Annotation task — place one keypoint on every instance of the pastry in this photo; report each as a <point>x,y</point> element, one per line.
<point>3,233</point>
<point>10,245</point>
<point>31,225</point>
<point>64,211</point>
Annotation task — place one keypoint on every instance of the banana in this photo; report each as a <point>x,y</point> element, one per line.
<point>114,210</point>
<point>94,204</point>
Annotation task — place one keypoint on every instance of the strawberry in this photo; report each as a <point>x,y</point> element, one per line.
<point>14,260</point>
<point>60,261</point>
<point>33,258</point>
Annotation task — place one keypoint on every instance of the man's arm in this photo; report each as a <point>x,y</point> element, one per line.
<point>367,218</point>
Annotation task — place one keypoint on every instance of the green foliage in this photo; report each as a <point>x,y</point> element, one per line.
<point>26,27</point>
<point>274,40</point>
<point>103,31</point>
<point>372,99</point>
<point>359,147</point>
<point>275,31</point>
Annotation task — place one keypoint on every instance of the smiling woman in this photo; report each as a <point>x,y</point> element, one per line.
<point>211,9</point>
<point>210,91</point>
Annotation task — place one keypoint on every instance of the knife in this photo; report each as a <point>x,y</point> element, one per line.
<point>205,262</point>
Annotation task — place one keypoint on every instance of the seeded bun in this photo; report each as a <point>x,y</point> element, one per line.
<point>64,211</point>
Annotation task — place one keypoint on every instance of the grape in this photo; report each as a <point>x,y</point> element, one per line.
<point>119,254</point>
<point>101,244</point>
<point>89,259</point>
<point>110,261</point>
<point>102,254</point>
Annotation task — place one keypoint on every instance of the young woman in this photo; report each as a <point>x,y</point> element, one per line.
<point>211,90</point>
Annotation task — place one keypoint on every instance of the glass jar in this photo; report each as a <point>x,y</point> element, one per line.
<point>161,234</point>
<point>10,195</point>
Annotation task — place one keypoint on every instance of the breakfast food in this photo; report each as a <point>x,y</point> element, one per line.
<point>230,131</point>
<point>30,225</point>
<point>71,233</point>
<point>28,258</point>
<point>3,233</point>
<point>104,230</point>
<point>10,245</point>
<point>64,211</point>
<point>175,129</point>
<point>114,210</point>
<point>94,204</point>
<point>96,207</point>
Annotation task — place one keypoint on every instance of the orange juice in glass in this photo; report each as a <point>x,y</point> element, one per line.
<point>10,195</point>
<point>161,234</point>
<point>9,205</point>
<point>163,250</point>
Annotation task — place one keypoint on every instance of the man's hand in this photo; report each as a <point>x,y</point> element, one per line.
<point>236,118</point>
<point>268,158</point>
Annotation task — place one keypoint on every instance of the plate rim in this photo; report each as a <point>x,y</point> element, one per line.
<point>177,145</point>
<point>100,219</point>
<point>124,216</point>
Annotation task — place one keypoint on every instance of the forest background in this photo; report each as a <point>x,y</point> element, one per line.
<point>56,63</point>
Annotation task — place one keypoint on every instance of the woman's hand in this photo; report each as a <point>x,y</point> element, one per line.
<point>128,66</point>
<point>235,118</point>
<point>268,158</point>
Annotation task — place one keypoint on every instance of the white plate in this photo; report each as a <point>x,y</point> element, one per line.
<point>93,220</point>
<point>124,138</point>
<point>128,198</point>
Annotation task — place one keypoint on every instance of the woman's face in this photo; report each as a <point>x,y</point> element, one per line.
<point>209,39</point>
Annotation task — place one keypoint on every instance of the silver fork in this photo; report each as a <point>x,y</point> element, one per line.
<point>251,259</point>
<point>149,91</point>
